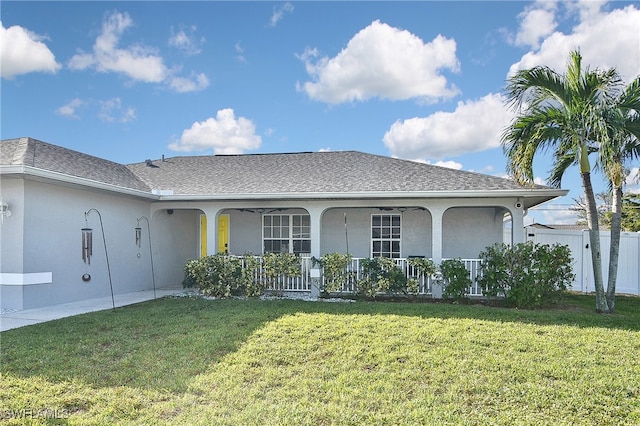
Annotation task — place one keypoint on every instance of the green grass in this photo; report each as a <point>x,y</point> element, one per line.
<point>194,361</point>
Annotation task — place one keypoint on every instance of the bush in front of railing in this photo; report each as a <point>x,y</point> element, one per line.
<point>380,275</point>
<point>527,275</point>
<point>455,279</point>
<point>277,265</point>
<point>218,275</point>
<point>335,270</point>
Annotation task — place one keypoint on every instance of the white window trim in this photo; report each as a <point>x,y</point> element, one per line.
<point>290,237</point>
<point>399,240</point>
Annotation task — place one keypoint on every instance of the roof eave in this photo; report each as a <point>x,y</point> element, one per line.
<point>37,173</point>
<point>546,194</point>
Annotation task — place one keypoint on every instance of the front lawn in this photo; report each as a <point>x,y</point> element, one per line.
<point>195,361</point>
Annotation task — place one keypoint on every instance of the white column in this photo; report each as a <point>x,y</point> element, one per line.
<point>436,243</point>
<point>517,225</point>
<point>212,228</point>
<point>315,214</point>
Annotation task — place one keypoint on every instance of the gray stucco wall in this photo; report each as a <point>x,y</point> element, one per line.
<point>469,230</point>
<point>11,236</point>
<point>416,231</point>
<point>175,240</point>
<point>53,242</point>
<point>53,218</point>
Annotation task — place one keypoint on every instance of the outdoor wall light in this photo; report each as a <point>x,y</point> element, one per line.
<point>4,211</point>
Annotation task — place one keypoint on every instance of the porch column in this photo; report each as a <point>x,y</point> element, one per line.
<point>315,214</point>
<point>517,225</point>
<point>436,243</point>
<point>212,228</point>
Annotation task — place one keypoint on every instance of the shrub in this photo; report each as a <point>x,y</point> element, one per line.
<point>455,279</point>
<point>423,266</point>
<point>527,275</point>
<point>217,275</point>
<point>250,285</point>
<point>280,265</point>
<point>221,275</point>
<point>335,270</point>
<point>380,275</point>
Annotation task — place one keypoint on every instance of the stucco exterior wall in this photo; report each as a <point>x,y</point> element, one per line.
<point>175,240</point>
<point>11,230</point>
<point>416,231</point>
<point>245,232</point>
<point>469,230</point>
<point>53,218</point>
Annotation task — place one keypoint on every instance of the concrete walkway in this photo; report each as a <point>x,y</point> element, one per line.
<point>10,320</point>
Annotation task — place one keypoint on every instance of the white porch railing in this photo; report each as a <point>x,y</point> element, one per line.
<point>286,283</point>
<point>424,282</point>
<point>302,283</point>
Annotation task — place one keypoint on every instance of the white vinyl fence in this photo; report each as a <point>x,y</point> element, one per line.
<point>628,280</point>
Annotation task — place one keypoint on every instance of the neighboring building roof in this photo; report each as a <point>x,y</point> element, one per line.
<point>40,155</point>
<point>564,227</point>
<point>337,173</point>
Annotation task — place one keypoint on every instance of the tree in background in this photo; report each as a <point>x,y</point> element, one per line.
<point>603,207</point>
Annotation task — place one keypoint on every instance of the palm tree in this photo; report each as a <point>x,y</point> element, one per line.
<point>621,146</point>
<point>563,113</point>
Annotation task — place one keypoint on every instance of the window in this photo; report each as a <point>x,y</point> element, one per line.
<point>284,233</point>
<point>385,235</point>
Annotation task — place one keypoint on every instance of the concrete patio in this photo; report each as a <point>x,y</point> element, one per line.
<point>15,319</point>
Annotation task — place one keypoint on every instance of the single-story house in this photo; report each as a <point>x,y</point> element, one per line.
<point>308,203</point>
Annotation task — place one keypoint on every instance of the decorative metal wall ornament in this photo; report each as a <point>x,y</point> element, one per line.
<point>138,230</point>
<point>87,244</point>
<point>87,241</point>
<point>138,234</point>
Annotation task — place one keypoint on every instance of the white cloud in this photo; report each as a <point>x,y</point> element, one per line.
<point>225,134</point>
<point>278,13</point>
<point>69,110</point>
<point>240,52</point>
<point>138,62</point>
<point>632,183</point>
<point>474,126</point>
<point>449,164</point>
<point>22,52</point>
<point>385,62</point>
<point>536,22</point>
<point>112,111</point>
<point>605,39</point>
<point>188,43</point>
<point>193,84</point>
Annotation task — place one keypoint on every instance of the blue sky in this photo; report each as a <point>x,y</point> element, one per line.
<point>127,81</point>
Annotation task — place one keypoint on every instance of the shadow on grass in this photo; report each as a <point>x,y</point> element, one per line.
<point>163,344</point>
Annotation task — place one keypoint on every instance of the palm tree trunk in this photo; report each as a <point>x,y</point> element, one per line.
<point>616,225</point>
<point>594,242</point>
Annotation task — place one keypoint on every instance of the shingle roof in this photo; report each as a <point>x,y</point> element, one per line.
<point>257,174</point>
<point>53,158</point>
<point>316,172</point>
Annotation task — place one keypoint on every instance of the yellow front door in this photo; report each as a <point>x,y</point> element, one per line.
<point>223,233</point>
<point>203,235</point>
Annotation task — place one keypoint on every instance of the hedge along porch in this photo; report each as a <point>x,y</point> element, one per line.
<point>441,212</point>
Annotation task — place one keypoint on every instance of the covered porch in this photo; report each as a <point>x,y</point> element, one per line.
<point>435,229</point>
